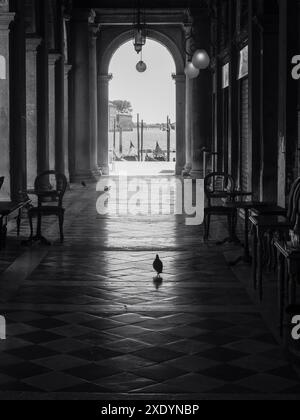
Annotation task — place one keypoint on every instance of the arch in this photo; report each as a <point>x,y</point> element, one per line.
<point>110,40</point>
<point>153,34</point>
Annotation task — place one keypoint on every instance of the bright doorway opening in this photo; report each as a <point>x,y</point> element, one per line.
<point>142,112</point>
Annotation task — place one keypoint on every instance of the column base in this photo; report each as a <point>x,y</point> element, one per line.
<point>179,170</point>
<point>186,170</point>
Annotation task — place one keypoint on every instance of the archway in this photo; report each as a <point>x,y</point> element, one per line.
<point>151,99</point>
<point>111,39</point>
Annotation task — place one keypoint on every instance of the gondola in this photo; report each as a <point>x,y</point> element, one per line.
<point>132,155</point>
<point>158,154</point>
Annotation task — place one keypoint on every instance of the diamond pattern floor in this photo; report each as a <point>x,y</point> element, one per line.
<point>89,320</point>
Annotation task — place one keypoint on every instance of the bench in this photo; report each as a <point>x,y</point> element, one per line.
<point>10,210</point>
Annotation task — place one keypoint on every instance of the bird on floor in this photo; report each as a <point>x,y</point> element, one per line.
<point>158,266</point>
<point>83,184</point>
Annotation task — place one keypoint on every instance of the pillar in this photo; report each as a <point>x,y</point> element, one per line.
<point>202,98</point>
<point>31,109</point>
<point>18,166</point>
<point>288,115</point>
<point>43,93</point>
<point>103,98</point>
<point>233,105</point>
<point>5,20</point>
<point>263,99</point>
<point>80,36</point>
<point>188,127</point>
<point>94,30</point>
<point>180,81</point>
<point>68,68</point>
<point>53,58</point>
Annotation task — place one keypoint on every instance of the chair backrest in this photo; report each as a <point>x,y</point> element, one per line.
<point>1,181</point>
<point>50,185</point>
<point>217,185</point>
<point>293,200</point>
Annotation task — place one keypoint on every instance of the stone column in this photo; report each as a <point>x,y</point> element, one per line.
<point>17,51</point>
<point>81,159</point>
<point>202,99</point>
<point>52,109</point>
<point>188,111</point>
<point>188,126</point>
<point>103,97</point>
<point>180,81</point>
<point>68,68</point>
<point>31,109</point>
<point>94,30</point>
<point>5,20</point>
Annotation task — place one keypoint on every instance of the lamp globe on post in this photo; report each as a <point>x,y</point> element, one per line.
<point>191,71</point>
<point>201,60</point>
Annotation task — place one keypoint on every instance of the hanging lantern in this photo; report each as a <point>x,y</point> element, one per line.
<point>191,71</point>
<point>139,40</point>
<point>140,33</point>
<point>201,60</point>
<point>141,66</point>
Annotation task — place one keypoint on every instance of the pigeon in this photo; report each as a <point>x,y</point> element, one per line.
<point>107,189</point>
<point>158,266</point>
<point>83,184</point>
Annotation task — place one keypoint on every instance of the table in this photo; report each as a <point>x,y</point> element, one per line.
<point>247,206</point>
<point>10,210</point>
<point>289,258</point>
<point>232,197</point>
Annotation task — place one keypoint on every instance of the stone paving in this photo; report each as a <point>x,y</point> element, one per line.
<point>87,320</point>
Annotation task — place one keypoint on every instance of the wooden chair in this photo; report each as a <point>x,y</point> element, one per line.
<point>50,188</point>
<point>217,187</point>
<point>268,225</point>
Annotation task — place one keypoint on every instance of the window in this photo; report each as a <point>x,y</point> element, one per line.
<point>2,68</point>
<point>243,63</point>
<point>225,76</point>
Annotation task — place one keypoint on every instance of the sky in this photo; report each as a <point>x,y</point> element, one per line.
<point>152,94</point>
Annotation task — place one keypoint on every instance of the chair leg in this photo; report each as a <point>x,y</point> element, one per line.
<point>30,225</point>
<point>230,221</point>
<point>206,226</point>
<point>254,253</point>
<point>61,227</point>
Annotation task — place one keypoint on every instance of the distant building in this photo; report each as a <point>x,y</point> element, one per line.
<point>112,115</point>
<point>124,121</point>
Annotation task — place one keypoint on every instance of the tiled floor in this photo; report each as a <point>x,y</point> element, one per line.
<point>87,320</point>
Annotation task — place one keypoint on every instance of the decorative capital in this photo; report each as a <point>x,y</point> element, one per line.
<point>105,78</point>
<point>53,58</point>
<point>32,44</point>
<point>5,20</point>
<point>94,29</point>
<point>68,68</point>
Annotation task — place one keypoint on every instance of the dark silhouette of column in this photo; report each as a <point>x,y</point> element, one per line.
<point>103,97</point>
<point>18,165</point>
<point>94,30</point>
<point>202,97</point>
<point>81,161</point>
<point>5,20</point>
<point>180,81</point>
<point>32,45</point>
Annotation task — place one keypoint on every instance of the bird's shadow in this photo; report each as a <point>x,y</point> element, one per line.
<point>158,282</point>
